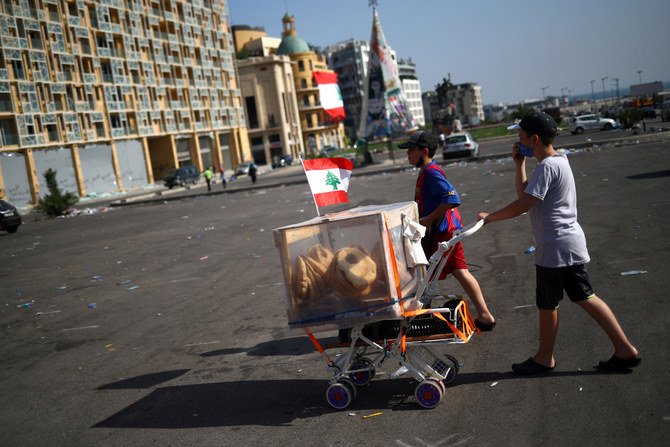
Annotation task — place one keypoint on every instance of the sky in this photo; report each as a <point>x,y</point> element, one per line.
<point>512,49</point>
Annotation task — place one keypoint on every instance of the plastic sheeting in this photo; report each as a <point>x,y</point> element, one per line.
<point>17,187</point>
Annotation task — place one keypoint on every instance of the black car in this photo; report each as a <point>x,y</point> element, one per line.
<point>182,176</point>
<point>10,219</point>
<point>282,160</point>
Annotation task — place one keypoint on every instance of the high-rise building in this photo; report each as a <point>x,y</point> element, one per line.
<point>349,59</point>
<point>412,88</point>
<point>318,129</point>
<point>113,94</point>
<point>461,101</point>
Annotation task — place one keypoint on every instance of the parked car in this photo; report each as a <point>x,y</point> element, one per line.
<point>282,160</point>
<point>665,111</point>
<point>459,145</point>
<point>327,151</point>
<point>243,168</point>
<point>648,112</point>
<point>10,219</point>
<point>579,124</point>
<point>181,176</point>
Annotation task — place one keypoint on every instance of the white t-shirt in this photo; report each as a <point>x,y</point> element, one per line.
<point>560,240</point>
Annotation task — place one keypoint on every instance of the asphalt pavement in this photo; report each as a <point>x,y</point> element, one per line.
<point>165,324</point>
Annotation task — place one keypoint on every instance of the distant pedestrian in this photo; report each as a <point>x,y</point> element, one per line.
<point>208,178</point>
<point>224,183</point>
<point>252,172</point>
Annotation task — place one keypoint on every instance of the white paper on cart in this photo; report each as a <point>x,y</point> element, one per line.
<point>413,232</point>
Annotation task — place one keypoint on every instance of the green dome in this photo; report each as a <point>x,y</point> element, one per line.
<point>291,45</point>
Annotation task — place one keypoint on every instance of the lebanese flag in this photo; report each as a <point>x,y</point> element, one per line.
<point>328,179</point>
<point>330,95</point>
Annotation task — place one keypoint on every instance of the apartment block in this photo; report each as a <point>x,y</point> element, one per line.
<point>114,93</point>
<point>273,118</point>
<point>411,86</point>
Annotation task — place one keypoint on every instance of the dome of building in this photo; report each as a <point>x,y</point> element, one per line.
<point>291,45</point>
<point>290,42</point>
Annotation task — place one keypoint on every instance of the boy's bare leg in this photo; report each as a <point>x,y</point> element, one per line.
<point>603,315</point>
<point>471,287</point>
<point>548,330</point>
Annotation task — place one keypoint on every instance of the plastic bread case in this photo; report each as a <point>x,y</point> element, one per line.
<point>347,268</point>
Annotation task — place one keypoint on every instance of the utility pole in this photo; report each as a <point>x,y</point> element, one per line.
<point>593,96</point>
<point>604,97</point>
<point>543,90</point>
<point>639,74</point>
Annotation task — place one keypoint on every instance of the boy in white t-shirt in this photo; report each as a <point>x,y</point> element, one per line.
<point>550,198</point>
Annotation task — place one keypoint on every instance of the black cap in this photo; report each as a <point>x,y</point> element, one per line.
<point>420,139</point>
<point>538,123</point>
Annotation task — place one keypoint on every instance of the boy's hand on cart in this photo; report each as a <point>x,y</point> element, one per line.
<point>483,216</point>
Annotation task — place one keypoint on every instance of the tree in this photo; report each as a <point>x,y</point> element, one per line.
<point>56,202</point>
<point>332,180</point>
<point>521,111</point>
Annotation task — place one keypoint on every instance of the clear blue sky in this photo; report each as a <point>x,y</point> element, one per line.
<point>511,48</point>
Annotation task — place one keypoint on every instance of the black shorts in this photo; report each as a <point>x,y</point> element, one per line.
<point>551,282</point>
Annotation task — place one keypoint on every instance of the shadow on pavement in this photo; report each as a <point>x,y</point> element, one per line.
<point>144,381</point>
<point>254,402</point>
<point>273,402</point>
<point>288,346</point>
<point>648,175</point>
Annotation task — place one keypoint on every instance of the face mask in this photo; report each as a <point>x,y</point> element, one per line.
<point>525,150</point>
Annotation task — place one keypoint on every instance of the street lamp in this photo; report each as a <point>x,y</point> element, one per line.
<point>639,74</point>
<point>543,90</point>
<point>604,98</point>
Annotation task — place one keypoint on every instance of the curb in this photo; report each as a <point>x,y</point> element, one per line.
<point>375,170</point>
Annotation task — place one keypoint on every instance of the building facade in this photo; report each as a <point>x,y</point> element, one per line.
<point>112,94</point>
<point>462,101</point>
<point>412,88</point>
<point>273,120</point>
<point>318,129</point>
<point>349,60</point>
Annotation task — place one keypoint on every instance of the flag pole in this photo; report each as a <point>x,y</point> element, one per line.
<point>310,189</point>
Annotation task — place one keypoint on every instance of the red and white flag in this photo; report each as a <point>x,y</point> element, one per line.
<point>328,179</point>
<point>330,95</point>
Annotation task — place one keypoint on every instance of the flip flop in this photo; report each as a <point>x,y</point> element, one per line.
<point>484,327</point>
<point>530,367</point>
<point>618,364</point>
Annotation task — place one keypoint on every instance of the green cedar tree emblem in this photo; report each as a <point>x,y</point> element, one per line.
<point>332,180</point>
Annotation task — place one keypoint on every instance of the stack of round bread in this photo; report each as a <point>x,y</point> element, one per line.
<point>353,272</point>
<point>310,274</point>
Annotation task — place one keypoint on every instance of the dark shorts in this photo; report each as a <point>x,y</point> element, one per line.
<point>551,282</point>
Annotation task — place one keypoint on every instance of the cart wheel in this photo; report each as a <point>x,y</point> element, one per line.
<point>351,386</point>
<point>453,359</point>
<point>339,396</point>
<point>453,369</point>
<point>362,378</point>
<point>428,393</point>
<point>443,387</point>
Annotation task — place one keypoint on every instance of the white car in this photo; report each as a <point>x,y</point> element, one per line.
<point>579,124</point>
<point>460,145</point>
